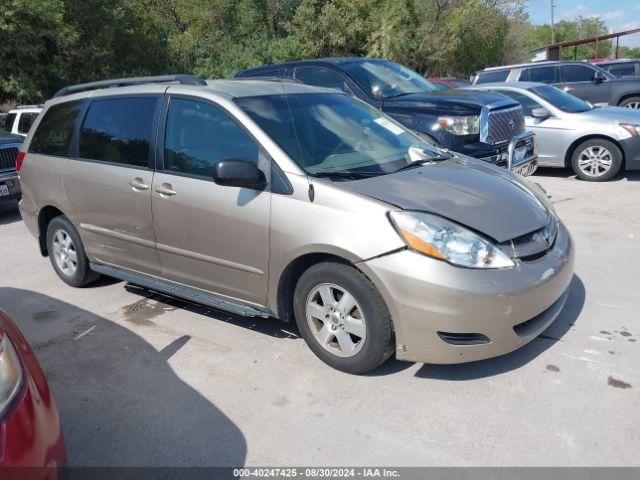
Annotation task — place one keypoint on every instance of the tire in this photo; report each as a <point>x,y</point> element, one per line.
<point>631,102</point>
<point>601,151</point>
<point>373,344</point>
<point>64,245</point>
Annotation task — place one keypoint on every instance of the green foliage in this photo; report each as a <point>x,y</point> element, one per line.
<point>566,31</point>
<point>46,44</point>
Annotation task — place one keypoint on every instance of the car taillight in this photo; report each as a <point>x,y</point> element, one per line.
<point>19,159</point>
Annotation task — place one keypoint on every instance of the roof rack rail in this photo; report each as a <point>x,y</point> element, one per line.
<point>20,107</point>
<point>124,82</point>
<point>265,79</point>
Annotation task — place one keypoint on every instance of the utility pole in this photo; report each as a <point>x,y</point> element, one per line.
<point>553,33</point>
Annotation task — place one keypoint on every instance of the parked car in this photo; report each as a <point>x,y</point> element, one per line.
<point>9,184</point>
<point>30,433</point>
<point>19,120</point>
<point>595,142</point>
<point>627,67</point>
<point>489,127</point>
<point>281,199</point>
<point>581,79</point>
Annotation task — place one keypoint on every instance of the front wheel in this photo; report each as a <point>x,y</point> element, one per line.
<point>596,160</point>
<point>631,102</point>
<point>343,318</point>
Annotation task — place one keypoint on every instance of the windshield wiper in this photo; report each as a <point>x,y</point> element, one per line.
<point>422,161</point>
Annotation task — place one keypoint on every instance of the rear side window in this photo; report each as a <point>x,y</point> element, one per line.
<point>118,130</point>
<point>55,130</point>
<point>26,120</point>
<point>8,122</point>
<point>623,70</point>
<point>539,74</point>
<point>321,77</point>
<point>199,135</point>
<point>491,76</point>
<point>577,73</point>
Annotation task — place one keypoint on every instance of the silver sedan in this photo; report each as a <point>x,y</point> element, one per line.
<point>595,141</point>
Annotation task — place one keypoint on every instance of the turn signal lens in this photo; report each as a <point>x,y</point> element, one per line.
<point>631,128</point>
<point>20,159</point>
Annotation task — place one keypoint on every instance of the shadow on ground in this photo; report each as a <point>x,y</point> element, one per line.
<point>629,175</point>
<point>120,402</point>
<point>522,356</point>
<point>267,326</point>
<point>9,212</point>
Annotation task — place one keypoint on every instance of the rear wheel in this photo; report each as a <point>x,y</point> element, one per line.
<point>67,254</point>
<point>631,102</point>
<point>596,160</point>
<point>343,318</point>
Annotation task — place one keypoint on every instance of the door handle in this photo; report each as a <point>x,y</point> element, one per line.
<point>138,184</point>
<point>165,189</point>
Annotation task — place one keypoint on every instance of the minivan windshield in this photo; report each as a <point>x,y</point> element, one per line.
<point>381,79</point>
<point>331,134</point>
<point>561,100</point>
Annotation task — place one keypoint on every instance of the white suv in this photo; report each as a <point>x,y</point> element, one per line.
<point>19,120</point>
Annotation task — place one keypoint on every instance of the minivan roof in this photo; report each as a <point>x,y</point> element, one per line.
<point>533,64</point>
<point>230,88</point>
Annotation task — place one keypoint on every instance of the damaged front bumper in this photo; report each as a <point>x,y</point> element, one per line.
<point>522,157</point>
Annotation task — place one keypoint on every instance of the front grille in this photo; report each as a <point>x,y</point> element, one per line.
<point>504,124</point>
<point>536,244</point>
<point>534,324</point>
<point>8,158</point>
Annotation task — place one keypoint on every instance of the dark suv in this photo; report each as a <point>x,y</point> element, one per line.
<point>9,146</point>
<point>486,126</point>
<point>581,79</point>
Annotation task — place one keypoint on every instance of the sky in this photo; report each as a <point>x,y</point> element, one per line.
<point>618,14</point>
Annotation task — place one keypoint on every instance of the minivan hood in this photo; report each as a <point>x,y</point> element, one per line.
<point>461,102</point>
<point>480,197</point>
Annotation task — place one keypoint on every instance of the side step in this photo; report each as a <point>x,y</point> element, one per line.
<point>181,291</point>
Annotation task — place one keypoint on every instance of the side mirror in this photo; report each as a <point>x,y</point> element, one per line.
<point>598,78</point>
<point>540,113</point>
<point>238,172</point>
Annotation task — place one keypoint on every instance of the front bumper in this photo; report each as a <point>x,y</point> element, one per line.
<point>631,148</point>
<point>523,154</point>
<point>10,179</point>
<point>520,154</point>
<point>30,431</point>
<point>427,296</point>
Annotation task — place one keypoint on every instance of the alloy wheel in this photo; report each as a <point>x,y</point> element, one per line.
<point>635,105</point>
<point>336,320</point>
<point>64,253</point>
<point>595,161</point>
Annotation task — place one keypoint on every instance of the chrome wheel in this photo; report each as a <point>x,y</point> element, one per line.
<point>595,161</point>
<point>336,320</point>
<point>64,253</point>
<point>634,104</point>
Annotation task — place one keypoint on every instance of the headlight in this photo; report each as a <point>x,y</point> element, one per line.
<point>442,239</point>
<point>461,125</point>
<point>630,128</point>
<point>10,372</point>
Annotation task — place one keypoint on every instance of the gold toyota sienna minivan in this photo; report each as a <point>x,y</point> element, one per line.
<point>276,199</point>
